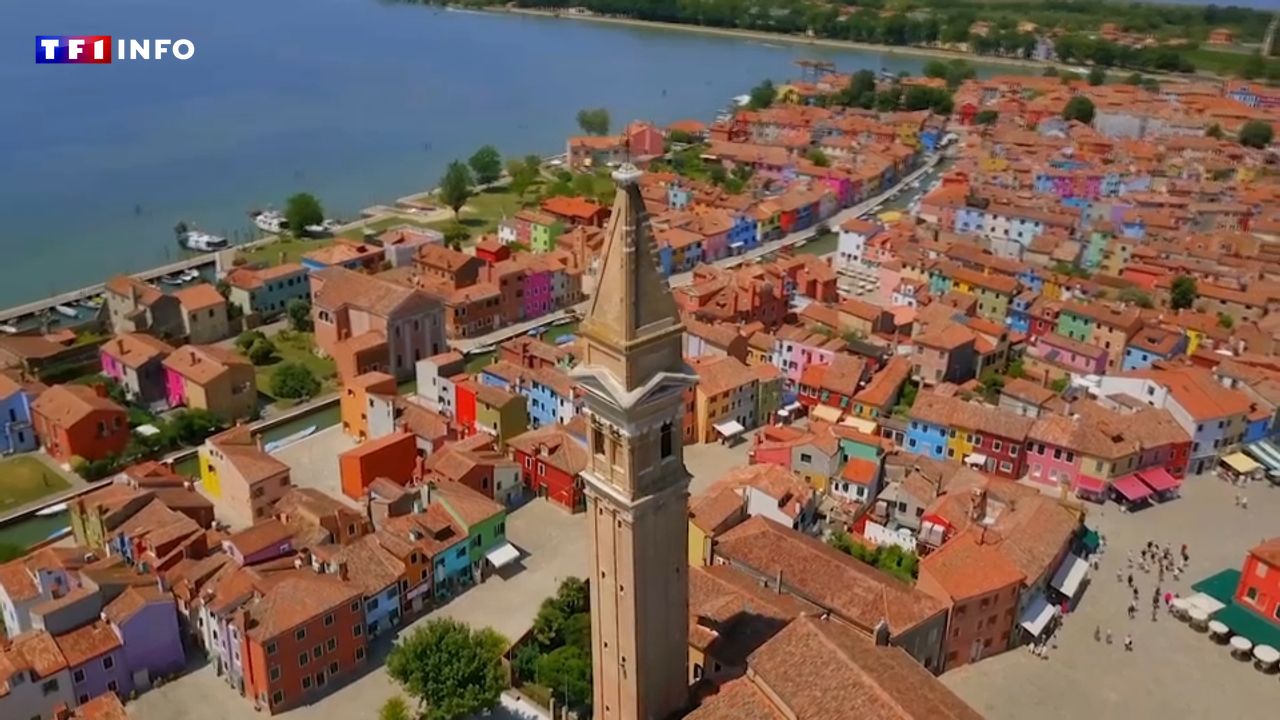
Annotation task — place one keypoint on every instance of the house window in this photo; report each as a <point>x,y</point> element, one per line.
<point>108,662</point>
<point>359,654</point>
<point>333,668</point>
<point>1251,594</point>
<point>355,607</point>
<point>274,673</point>
<point>300,634</point>
<point>277,697</point>
<point>1260,570</point>
<point>306,682</point>
<point>806,458</point>
<point>78,676</point>
<point>331,645</point>
<point>997,446</point>
<point>667,443</point>
<point>303,659</point>
<point>315,652</point>
<point>328,620</point>
<point>50,686</point>
<point>357,630</point>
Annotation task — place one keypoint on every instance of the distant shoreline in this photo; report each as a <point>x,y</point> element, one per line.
<point>790,39</point>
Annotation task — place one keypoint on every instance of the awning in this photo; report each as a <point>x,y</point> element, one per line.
<point>1037,615</point>
<point>1250,624</point>
<point>1265,452</point>
<point>793,407</point>
<point>1131,488</point>
<point>1070,574</point>
<point>1221,585</point>
<point>1158,479</point>
<point>1088,484</point>
<point>826,413</point>
<point>502,555</point>
<point>976,459</point>
<point>729,428</point>
<point>1205,603</point>
<point>1090,540</point>
<point>1241,463</point>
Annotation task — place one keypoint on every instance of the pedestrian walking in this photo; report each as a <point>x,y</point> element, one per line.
<point>1097,633</point>
<point>1119,576</point>
<point>1244,503</point>
<point>1108,636</point>
<point>1128,643</point>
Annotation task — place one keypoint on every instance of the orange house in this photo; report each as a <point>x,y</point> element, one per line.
<point>1259,588</point>
<point>393,456</point>
<point>78,420</point>
<point>356,402</point>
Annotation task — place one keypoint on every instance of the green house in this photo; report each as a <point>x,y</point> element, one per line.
<point>485,522</point>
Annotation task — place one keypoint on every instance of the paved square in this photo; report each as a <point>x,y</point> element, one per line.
<point>1173,671</point>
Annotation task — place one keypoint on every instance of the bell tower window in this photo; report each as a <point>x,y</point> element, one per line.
<point>667,442</point>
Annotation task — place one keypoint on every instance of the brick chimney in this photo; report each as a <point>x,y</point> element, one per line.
<point>100,389</point>
<point>977,504</point>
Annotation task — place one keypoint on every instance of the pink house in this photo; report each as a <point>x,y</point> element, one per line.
<point>1071,354</point>
<point>644,140</point>
<point>1051,450</point>
<point>175,388</point>
<point>538,299</point>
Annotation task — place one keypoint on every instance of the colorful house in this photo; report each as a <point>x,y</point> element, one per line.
<point>985,438</point>
<point>500,413</point>
<point>367,406</point>
<point>135,360</point>
<point>234,469</point>
<point>1151,344</point>
<point>18,434</point>
<point>79,421</point>
<point>204,313</point>
<point>95,656</point>
<point>393,456</point>
<point>1259,588</point>
<point>267,292</point>
<point>485,523</point>
<point>551,461</point>
<point>213,378</point>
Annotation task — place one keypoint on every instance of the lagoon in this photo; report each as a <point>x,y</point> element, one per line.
<point>357,101</point>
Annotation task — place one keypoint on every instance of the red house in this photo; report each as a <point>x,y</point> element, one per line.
<point>393,456</point>
<point>644,140</point>
<point>1044,317</point>
<point>551,461</point>
<point>1259,588</point>
<point>79,421</point>
<point>576,210</point>
<point>492,251</point>
<point>464,404</point>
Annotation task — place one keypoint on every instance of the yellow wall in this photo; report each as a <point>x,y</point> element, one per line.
<point>696,657</point>
<point>208,476</point>
<point>698,543</point>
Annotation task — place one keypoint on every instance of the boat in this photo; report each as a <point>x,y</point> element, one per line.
<point>290,439</point>
<point>8,329</point>
<point>269,221</point>
<point>202,241</point>
<point>189,275</point>
<point>66,311</point>
<point>52,510</point>
<point>170,279</point>
<point>324,229</point>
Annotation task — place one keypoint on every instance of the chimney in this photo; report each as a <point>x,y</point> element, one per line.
<point>342,569</point>
<point>882,633</point>
<point>778,587</point>
<point>100,389</point>
<point>977,504</point>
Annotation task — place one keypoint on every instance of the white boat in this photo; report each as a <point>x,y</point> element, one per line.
<point>170,279</point>
<point>324,229</point>
<point>287,440</point>
<point>52,510</point>
<point>66,311</point>
<point>203,241</point>
<point>270,221</point>
<point>189,275</point>
<point>8,330</point>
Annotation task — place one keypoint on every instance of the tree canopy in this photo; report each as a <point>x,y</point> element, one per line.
<point>299,312</point>
<point>1183,292</point>
<point>455,234</point>
<point>762,95</point>
<point>986,117</point>
<point>594,121</point>
<point>1256,134</point>
<point>452,670</point>
<point>486,163</point>
<point>456,186</point>
<point>1079,108</point>
<point>301,210</point>
<point>1097,75</point>
<point>294,381</point>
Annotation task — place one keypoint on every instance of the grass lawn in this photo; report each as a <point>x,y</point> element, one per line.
<point>821,245</point>
<point>377,226</point>
<point>476,363</point>
<point>297,347</point>
<point>555,332</point>
<point>487,208</point>
<point>270,254</point>
<point>24,479</point>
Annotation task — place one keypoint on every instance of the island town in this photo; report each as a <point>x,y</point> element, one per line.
<point>960,374</point>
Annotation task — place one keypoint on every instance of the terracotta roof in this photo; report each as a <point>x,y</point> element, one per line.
<point>466,506</point>
<point>946,337</point>
<point>133,599</point>
<point>1027,391</point>
<point>199,297</point>
<point>791,492</point>
<point>126,286</point>
<point>1198,393</point>
<point>293,598</point>
<point>1268,552</point>
<point>253,278</point>
<point>858,679</point>
<point>240,448</point>
<point>574,207</point>
<point>555,446</point>
<point>203,364</point>
<point>732,614</point>
<point>69,404</point>
<point>719,374</point>
<point>952,412</point>
<point>852,589</point>
<point>738,699</point>
<point>964,567</point>
<point>339,287</point>
<point>34,651</point>
<point>103,707</point>
<point>369,566</point>
<point>715,511</point>
<point>259,537</point>
<point>136,349</point>
<point>88,642</point>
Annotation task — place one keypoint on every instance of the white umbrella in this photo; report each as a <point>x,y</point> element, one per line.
<point>1198,615</point>
<point>1217,628</point>
<point>1241,643</point>
<point>1266,654</point>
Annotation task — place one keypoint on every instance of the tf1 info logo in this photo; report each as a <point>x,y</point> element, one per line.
<point>97,49</point>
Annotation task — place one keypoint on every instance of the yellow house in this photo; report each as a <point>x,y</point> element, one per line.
<point>909,135</point>
<point>236,470</point>
<point>709,516</point>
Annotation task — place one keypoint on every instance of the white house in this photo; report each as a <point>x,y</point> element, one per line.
<point>34,579</point>
<point>38,678</point>
<point>852,242</point>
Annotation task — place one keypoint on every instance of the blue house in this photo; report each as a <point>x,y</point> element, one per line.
<point>926,439</point>
<point>929,139</point>
<point>742,236</point>
<point>1019,316</point>
<point>453,568</point>
<point>1257,427</point>
<point>549,393</point>
<point>1135,228</point>
<point>1150,345</point>
<point>678,196</point>
<point>15,409</point>
<point>664,260</point>
<point>970,220</point>
<point>1032,278</point>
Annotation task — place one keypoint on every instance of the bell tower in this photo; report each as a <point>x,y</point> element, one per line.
<point>633,374</point>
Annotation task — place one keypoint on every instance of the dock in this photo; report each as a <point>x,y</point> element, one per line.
<point>34,308</point>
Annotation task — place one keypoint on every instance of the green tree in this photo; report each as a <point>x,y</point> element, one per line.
<point>395,708</point>
<point>819,158</point>
<point>887,100</point>
<point>450,669</point>
<point>1256,134</point>
<point>246,339</point>
<point>261,352</point>
<point>1137,297</point>
<point>524,173</point>
<point>1017,369</point>
<point>1059,384</point>
<point>1079,108</point>
<point>1226,321</point>
<point>192,426</point>
<point>1097,76</point>
<point>986,117</point>
<point>1134,79</point>
<point>567,672</point>
<point>455,234</point>
<point>992,383</point>
<point>294,381</point>
<point>456,186</point>
<point>486,163</point>
<point>935,69</point>
<point>299,312</point>
<point>1214,131</point>
<point>594,121</point>
<point>301,210</point>
<point>762,95</point>
<point>1183,292</point>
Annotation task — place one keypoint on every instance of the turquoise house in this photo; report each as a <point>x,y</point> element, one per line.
<point>485,521</point>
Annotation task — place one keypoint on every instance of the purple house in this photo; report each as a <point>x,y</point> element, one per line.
<point>95,656</point>
<point>538,298</point>
<point>1070,354</point>
<point>135,360</point>
<point>146,620</point>
<point>267,540</point>
<point>175,388</point>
